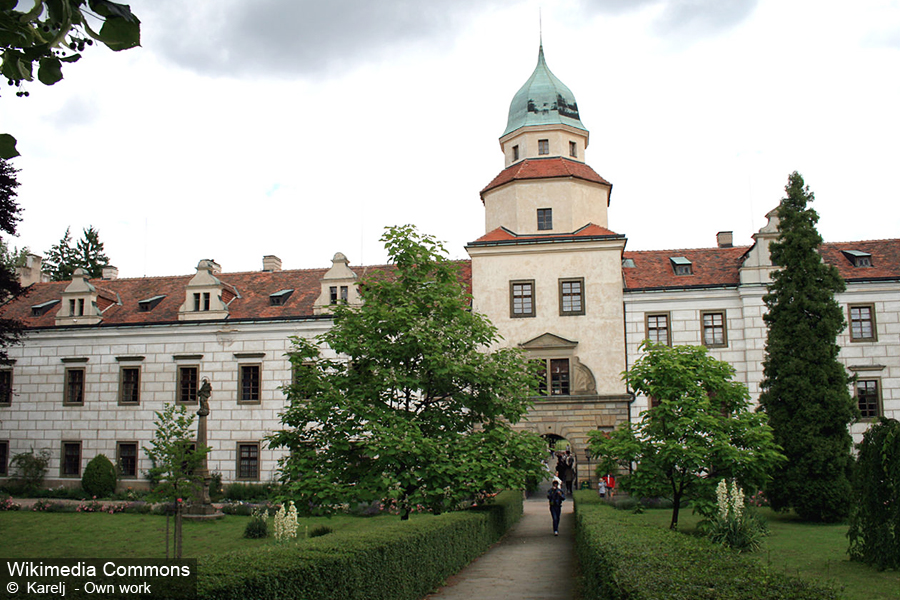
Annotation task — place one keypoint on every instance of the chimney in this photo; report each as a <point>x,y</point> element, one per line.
<point>271,263</point>
<point>725,239</point>
<point>109,273</point>
<point>30,272</point>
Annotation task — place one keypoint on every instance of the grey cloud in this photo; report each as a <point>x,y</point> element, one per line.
<point>682,18</point>
<point>291,38</point>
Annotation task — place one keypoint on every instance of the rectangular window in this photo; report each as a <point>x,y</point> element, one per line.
<point>542,374</point>
<point>4,458</point>
<point>130,385</point>
<point>74,387</point>
<point>187,384</point>
<point>862,323</point>
<point>543,147</point>
<point>70,465</point>
<point>515,153</point>
<point>544,219</point>
<point>197,302</point>
<point>248,386</point>
<point>345,293</point>
<point>333,293</point>
<point>72,308</point>
<point>205,300</point>
<point>657,328</point>
<point>126,458</point>
<point>868,398</point>
<point>571,297</point>
<point>573,149</point>
<point>6,387</point>
<point>521,299</point>
<point>559,377</point>
<point>248,461</point>
<point>714,329</point>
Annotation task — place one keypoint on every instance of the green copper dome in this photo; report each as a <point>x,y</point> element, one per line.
<point>543,100</point>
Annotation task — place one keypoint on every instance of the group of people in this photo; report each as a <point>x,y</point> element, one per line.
<point>566,473</point>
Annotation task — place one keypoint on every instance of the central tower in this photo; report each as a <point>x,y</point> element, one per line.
<point>548,271</point>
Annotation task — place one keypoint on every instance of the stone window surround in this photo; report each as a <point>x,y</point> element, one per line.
<point>119,471</point>
<point>543,147</point>
<point>564,383</point>
<point>522,314</point>
<point>545,219</point>
<point>870,320</point>
<point>252,456</point>
<point>64,445</point>
<point>127,363</point>
<point>581,297</point>
<point>6,385</point>
<point>68,382</point>
<point>668,328</point>
<point>704,328</point>
<point>4,458</point>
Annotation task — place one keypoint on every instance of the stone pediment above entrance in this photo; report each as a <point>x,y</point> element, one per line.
<point>547,341</point>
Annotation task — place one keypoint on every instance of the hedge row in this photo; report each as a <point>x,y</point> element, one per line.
<point>624,559</point>
<point>394,562</point>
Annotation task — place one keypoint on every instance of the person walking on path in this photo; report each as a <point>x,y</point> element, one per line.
<point>570,471</point>
<point>556,498</point>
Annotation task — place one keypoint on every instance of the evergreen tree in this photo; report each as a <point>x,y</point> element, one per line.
<point>62,258</point>
<point>805,389</point>
<point>9,284</point>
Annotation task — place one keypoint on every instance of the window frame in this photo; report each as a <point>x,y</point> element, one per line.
<point>544,147</point>
<point>573,149</point>
<point>239,458</point>
<point>704,328</point>
<point>545,219</point>
<point>179,383</point>
<point>63,458</point>
<point>119,471</point>
<point>6,387</point>
<point>122,385</point>
<point>67,386</point>
<point>871,320</point>
<point>668,327</point>
<point>546,389</point>
<point>240,384</point>
<point>876,401</point>
<point>562,296</point>
<point>515,153</point>
<point>512,298</point>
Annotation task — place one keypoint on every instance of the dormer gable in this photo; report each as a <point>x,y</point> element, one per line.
<point>79,302</point>
<point>338,286</point>
<point>757,267</point>
<point>206,297</point>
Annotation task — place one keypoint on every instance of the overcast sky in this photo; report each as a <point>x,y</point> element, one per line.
<point>301,128</point>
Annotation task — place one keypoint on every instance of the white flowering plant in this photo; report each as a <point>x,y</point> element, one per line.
<point>734,525</point>
<point>286,522</point>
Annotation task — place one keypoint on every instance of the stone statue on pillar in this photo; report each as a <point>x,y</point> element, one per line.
<point>202,508</point>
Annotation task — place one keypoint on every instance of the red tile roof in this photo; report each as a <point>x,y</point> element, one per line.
<point>545,168</point>
<point>503,235</point>
<point>252,302</point>
<point>720,267</point>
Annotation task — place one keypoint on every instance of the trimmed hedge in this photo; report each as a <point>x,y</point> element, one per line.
<point>624,559</point>
<point>403,560</point>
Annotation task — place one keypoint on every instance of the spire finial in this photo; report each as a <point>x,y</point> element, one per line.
<point>540,29</point>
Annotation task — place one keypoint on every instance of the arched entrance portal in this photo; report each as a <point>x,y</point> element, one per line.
<point>560,458</point>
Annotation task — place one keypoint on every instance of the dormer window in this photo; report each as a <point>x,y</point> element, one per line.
<point>628,263</point>
<point>344,292</point>
<point>858,258</point>
<point>543,147</point>
<point>544,219</point>
<point>76,307</point>
<point>201,301</point>
<point>149,304</point>
<point>681,265</point>
<point>39,309</point>
<point>280,297</point>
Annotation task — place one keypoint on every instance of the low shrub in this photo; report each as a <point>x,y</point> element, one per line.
<point>8,504</point>
<point>28,470</point>
<point>623,558</point>
<point>251,492</point>
<point>320,531</point>
<point>398,561</point>
<point>258,527</point>
<point>139,507</point>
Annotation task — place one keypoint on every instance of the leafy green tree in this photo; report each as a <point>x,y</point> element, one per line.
<point>805,390</point>
<point>62,258</point>
<point>875,514</point>
<point>175,460</point>
<point>53,32</point>
<point>700,432</point>
<point>10,329</point>
<point>418,410</point>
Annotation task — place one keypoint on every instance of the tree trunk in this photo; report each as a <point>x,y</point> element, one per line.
<point>676,505</point>
<point>178,530</point>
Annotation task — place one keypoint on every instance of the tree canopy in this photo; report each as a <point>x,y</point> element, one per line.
<point>10,330</point>
<point>805,390</point>
<point>699,431</point>
<point>416,410</point>
<point>63,258</point>
<point>53,32</point>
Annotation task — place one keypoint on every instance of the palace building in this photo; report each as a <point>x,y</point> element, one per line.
<point>101,356</point>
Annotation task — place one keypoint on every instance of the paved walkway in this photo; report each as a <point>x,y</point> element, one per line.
<point>529,563</point>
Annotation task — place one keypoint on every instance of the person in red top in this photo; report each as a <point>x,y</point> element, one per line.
<point>610,485</point>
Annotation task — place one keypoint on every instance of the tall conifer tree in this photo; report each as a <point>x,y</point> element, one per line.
<point>805,389</point>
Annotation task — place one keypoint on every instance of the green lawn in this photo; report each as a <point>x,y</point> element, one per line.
<point>29,534</point>
<point>811,551</point>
